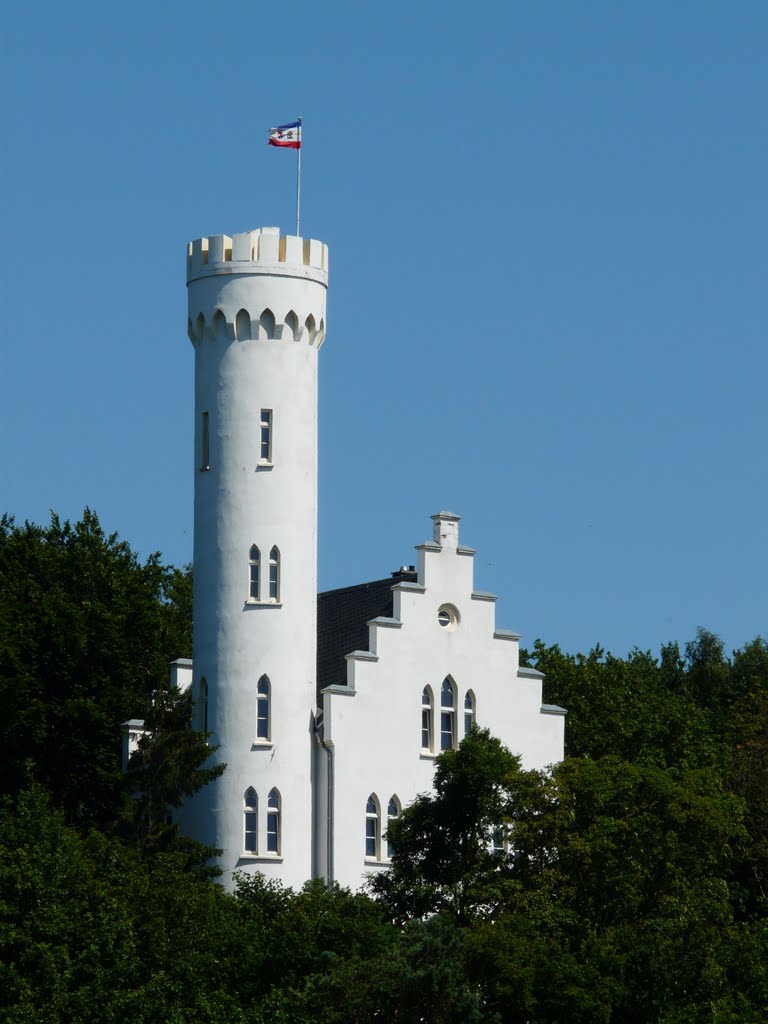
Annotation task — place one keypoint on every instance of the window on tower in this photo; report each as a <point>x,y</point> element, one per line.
<point>205,442</point>
<point>251,819</point>
<point>263,701</point>
<point>254,568</point>
<point>273,822</point>
<point>274,575</point>
<point>265,437</point>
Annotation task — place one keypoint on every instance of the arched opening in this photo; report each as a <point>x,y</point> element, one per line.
<point>254,573</point>
<point>263,709</point>
<point>267,323</point>
<point>372,828</point>
<point>291,326</point>
<point>393,812</point>
<point>243,326</point>
<point>250,820</point>
<point>274,575</point>
<point>469,712</point>
<point>274,812</point>
<point>426,719</point>
<point>447,714</point>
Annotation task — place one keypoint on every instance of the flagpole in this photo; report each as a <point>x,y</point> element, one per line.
<point>298,180</point>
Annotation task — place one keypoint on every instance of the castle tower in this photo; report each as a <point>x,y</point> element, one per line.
<point>257,321</point>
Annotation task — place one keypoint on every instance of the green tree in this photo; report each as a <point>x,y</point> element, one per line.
<point>86,634</point>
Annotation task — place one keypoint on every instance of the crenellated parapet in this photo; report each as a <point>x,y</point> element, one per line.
<point>244,288</point>
<point>263,250</point>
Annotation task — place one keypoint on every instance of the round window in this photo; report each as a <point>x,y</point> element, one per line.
<point>447,616</point>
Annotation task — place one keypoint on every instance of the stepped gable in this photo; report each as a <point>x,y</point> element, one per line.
<point>342,623</point>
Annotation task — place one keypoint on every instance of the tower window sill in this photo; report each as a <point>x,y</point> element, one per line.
<point>264,464</point>
<point>427,755</point>
<point>262,745</point>
<point>264,858</point>
<point>251,602</point>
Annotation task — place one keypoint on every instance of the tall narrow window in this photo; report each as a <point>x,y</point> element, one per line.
<point>393,811</point>
<point>262,709</point>
<point>426,719</point>
<point>205,442</point>
<point>497,842</point>
<point>372,830</point>
<point>274,575</point>
<point>447,715</point>
<point>273,822</point>
<point>251,815</point>
<point>204,705</point>
<point>265,441</point>
<point>469,712</point>
<point>254,564</point>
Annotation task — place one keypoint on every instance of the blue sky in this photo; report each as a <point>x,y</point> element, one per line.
<point>547,311</point>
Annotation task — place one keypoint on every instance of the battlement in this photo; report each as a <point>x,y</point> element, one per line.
<point>261,251</point>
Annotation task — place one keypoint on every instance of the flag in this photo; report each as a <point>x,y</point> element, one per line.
<point>286,135</point>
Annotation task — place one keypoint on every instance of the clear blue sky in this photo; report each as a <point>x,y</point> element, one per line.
<point>548,226</point>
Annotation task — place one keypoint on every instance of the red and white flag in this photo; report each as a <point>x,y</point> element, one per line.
<point>288,136</point>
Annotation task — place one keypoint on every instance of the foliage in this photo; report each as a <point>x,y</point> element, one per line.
<point>86,634</point>
<point>627,885</point>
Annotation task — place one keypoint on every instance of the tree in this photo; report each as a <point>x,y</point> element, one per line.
<point>86,634</point>
<point>451,847</point>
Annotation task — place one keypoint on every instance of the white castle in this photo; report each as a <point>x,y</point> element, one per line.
<point>329,710</point>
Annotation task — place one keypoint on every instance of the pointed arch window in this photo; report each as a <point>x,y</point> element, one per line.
<point>447,715</point>
<point>469,712</point>
<point>426,719</point>
<point>204,704</point>
<point>274,575</point>
<point>263,709</point>
<point>251,820</point>
<point>274,811</point>
<point>372,828</point>
<point>254,566</point>
<point>393,811</point>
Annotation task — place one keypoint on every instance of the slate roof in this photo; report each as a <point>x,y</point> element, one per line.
<point>342,623</point>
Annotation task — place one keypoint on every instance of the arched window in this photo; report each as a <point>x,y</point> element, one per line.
<point>393,811</point>
<point>254,563</point>
<point>372,828</point>
<point>426,719</point>
<point>447,715</point>
<point>273,822</point>
<point>251,822</point>
<point>274,575</point>
<point>204,704</point>
<point>469,712</point>
<point>263,699</point>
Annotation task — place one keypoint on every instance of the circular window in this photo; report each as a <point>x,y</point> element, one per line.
<point>447,616</point>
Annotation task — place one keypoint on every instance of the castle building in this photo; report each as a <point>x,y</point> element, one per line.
<point>329,710</point>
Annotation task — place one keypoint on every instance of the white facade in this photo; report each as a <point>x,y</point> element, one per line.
<point>433,668</point>
<point>319,745</point>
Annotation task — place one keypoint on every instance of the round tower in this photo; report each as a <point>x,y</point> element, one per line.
<point>257,321</point>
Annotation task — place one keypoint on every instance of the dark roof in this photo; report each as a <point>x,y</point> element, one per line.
<point>342,623</point>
